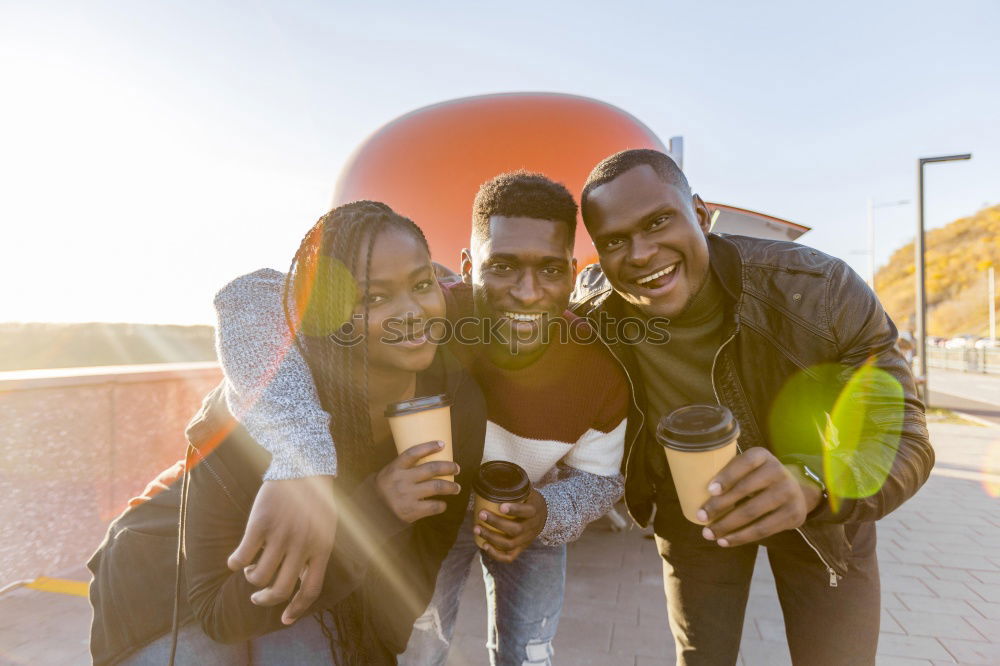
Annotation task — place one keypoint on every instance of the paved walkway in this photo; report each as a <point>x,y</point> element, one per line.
<point>940,556</point>
<point>971,385</point>
<point>977,395</point>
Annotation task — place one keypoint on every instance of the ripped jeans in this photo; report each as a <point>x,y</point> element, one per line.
<point>524,599</point>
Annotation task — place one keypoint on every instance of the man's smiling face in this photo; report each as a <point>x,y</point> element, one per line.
<point>650,236</point>
<point>521,274</point>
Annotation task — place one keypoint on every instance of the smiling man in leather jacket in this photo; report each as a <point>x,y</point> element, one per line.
<point>780,334</point>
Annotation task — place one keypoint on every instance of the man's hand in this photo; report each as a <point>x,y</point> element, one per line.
<point>526,522</point>
<point>406,486</point>
<point>755,496</point>
<point>292,526</point>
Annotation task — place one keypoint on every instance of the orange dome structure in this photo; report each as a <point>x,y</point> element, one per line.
<point>429,163</point>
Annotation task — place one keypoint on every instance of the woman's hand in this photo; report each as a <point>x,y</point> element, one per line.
<point>406,485</point>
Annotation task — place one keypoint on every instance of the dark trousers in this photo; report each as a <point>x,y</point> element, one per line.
<point>707,587</point>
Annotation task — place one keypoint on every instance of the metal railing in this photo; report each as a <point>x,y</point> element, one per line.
<point>967,359</point>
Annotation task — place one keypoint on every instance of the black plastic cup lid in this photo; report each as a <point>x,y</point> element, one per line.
<point>501,481</point>
<point>405,407</point>
<point>697,428</point>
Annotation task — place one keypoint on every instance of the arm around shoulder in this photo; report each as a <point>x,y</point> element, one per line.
<point>269,386</point>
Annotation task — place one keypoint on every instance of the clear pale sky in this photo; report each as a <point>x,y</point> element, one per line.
<point>149,152</point>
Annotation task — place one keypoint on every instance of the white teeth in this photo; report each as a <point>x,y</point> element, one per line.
<point>649,278</point>
<point>517,316</point>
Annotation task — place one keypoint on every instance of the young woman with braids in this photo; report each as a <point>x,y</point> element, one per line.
<point>359,267</point>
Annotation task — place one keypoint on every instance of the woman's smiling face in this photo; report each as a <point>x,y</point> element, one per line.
<point>403,295</point>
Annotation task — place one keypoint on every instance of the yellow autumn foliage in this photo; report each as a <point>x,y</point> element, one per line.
<point>958,255</point>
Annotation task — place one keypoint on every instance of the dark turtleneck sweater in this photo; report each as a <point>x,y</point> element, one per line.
<point>679,372</point>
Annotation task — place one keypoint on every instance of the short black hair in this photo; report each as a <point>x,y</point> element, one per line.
<point>611,167</point>
<point>522,194</point>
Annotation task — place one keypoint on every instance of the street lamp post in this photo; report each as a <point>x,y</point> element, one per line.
<point>676,150</point>
<point>991,294</point>
<point>921,300</point>
<point>871,234</point>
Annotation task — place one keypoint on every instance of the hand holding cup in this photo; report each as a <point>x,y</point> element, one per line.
<point>699,441</point>
<point>517,526</point>
<point>409,486</point>
<point>754,497</point>
<point>421,420</point>
<point>502,484</point>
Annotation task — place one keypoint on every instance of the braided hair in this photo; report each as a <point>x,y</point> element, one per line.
<point>319,299</point>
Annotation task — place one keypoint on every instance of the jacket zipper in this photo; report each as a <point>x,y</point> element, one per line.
<point>642,416</point>
<point>829,569</point>
<point>833,574</point>
<point>712,376</point>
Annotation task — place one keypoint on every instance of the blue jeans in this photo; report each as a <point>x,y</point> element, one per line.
<point>302,643</point>
<point>524,600</point>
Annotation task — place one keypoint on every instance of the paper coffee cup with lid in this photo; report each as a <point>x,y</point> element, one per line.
<point>497,482</point>
<point>699,441</point>
<point>422,420</point>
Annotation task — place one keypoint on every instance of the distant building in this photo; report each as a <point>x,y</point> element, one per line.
<point>732,220</point>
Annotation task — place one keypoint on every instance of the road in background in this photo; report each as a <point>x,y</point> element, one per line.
<point>970,393</point>
<point>969,385</point>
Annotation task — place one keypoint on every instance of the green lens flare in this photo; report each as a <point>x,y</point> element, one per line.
<point>850,418</point>
<point>331,294</point>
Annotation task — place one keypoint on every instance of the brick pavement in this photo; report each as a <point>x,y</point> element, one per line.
<point>940,556</point>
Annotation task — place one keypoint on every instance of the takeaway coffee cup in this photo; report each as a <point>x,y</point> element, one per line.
<point>422,420</point>
<point>699,441</point>
<point>498,481</point>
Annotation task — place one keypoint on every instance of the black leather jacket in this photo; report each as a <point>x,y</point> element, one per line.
<point>791,309</point>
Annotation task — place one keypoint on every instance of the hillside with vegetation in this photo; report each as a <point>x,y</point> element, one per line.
<point>35,346</point>
<point>958,255</point>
